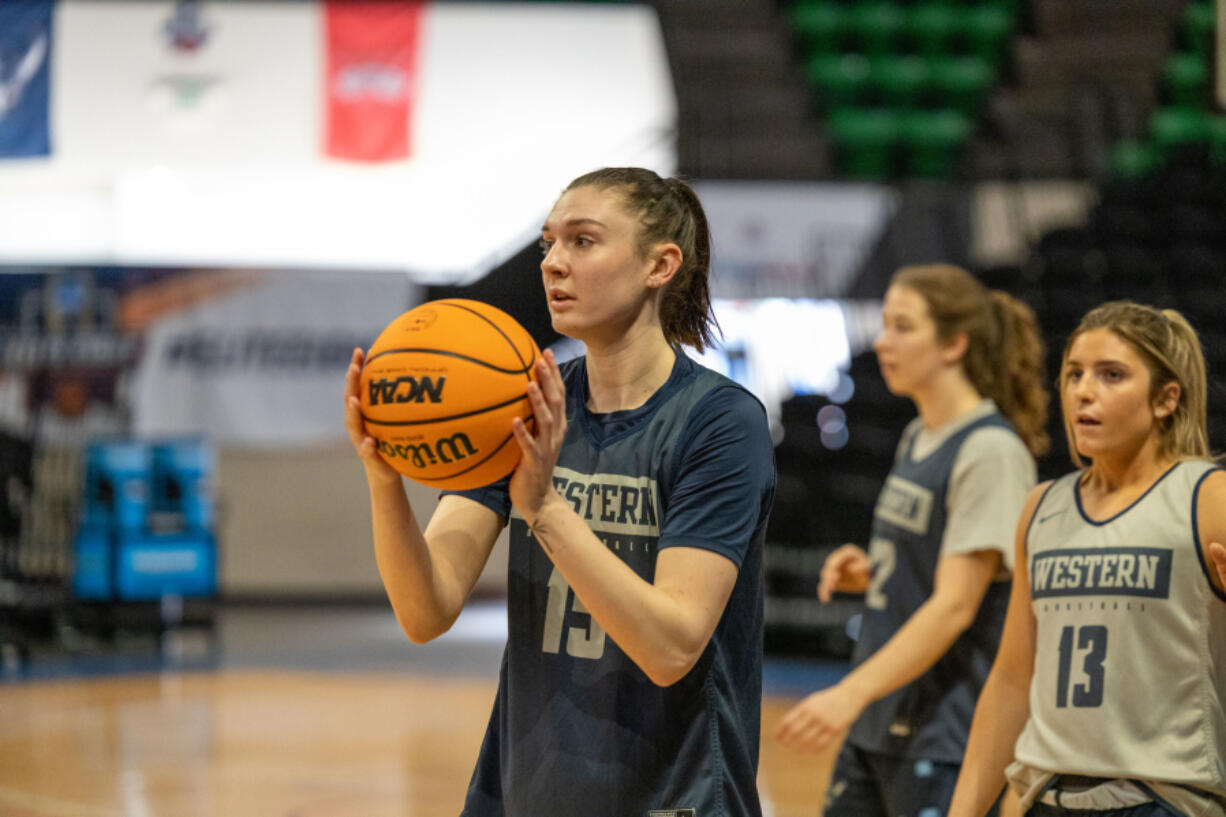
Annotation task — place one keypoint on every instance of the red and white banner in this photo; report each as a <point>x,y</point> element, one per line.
<point>371,78</point>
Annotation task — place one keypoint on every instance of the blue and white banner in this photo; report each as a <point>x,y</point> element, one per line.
<point>25,78</point>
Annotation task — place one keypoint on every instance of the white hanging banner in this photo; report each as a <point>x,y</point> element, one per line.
<point>140,85</point>
<point>792,239</point>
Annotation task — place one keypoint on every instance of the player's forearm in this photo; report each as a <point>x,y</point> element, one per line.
<point>911,652</point>
<point>421,602</point>
<point>662,635</point>
<point>1000,716</point>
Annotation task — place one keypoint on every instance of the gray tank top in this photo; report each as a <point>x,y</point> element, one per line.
<point>929,718</point>
<point>1130,653</point>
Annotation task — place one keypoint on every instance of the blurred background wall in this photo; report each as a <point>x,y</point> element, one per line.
<point>205,205</point>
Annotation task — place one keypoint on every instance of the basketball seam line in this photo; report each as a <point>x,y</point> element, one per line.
<point>527,366</point>
<point>481,410</point>
<point>445,353</point>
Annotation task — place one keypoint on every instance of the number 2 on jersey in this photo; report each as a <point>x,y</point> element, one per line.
<point>884,556</point>
<point>580,643</point>
<point>1092,637</point>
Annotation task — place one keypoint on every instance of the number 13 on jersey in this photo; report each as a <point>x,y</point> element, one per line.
<point>1093,640</point>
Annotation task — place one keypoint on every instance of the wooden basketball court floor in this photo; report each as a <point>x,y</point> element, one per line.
<point>296,713</point>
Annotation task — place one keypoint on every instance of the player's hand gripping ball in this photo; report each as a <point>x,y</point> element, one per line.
<point>440,387</point>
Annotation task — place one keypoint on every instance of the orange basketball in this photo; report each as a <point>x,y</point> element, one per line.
<point>440,387</point>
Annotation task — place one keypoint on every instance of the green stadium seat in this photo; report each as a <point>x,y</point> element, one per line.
<point>1186,78</point>
<point>986,28</point>
<point>931,26</point>
<point>865,139</point>
<point>1198,24</point>
<point>820,25</point>
<point>1174,128</point>
<point>840,80</point>
<point>901,81</point>
<point>877,26</point>
<point>1216,127</point>
<point>963,82</point>
<point>933,142</point>
<point>1131,160</point>
<point>1010,6</point>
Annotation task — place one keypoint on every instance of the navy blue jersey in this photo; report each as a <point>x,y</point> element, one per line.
<point>929,718</point>
<point>577,727</point>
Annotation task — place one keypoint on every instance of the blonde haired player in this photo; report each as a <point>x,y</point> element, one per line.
<point>1107,693</point>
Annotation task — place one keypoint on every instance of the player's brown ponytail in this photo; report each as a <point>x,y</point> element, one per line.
<point>668,210</point>
<point>1004,350</point>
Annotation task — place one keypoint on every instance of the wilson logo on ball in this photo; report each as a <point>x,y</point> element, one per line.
<point>388,390</point>
<point>422,455</point>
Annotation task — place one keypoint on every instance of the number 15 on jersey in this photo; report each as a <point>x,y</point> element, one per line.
<point>581,642</point>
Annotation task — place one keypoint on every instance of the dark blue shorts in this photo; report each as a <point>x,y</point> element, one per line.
<point>868,784</point>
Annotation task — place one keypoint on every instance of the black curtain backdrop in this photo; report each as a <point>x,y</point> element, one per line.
<point>515,288</point>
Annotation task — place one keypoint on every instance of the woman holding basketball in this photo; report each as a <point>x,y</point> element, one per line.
<point>631,681</point>
<point>1108,689</point>
<point>936,574</point>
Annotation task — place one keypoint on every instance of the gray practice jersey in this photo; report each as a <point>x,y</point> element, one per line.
<point>930,717</point>
<point>1130,652</point>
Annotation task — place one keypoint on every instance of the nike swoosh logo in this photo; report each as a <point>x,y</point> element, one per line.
<point>12,88</point>
<point>1043,519</point>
